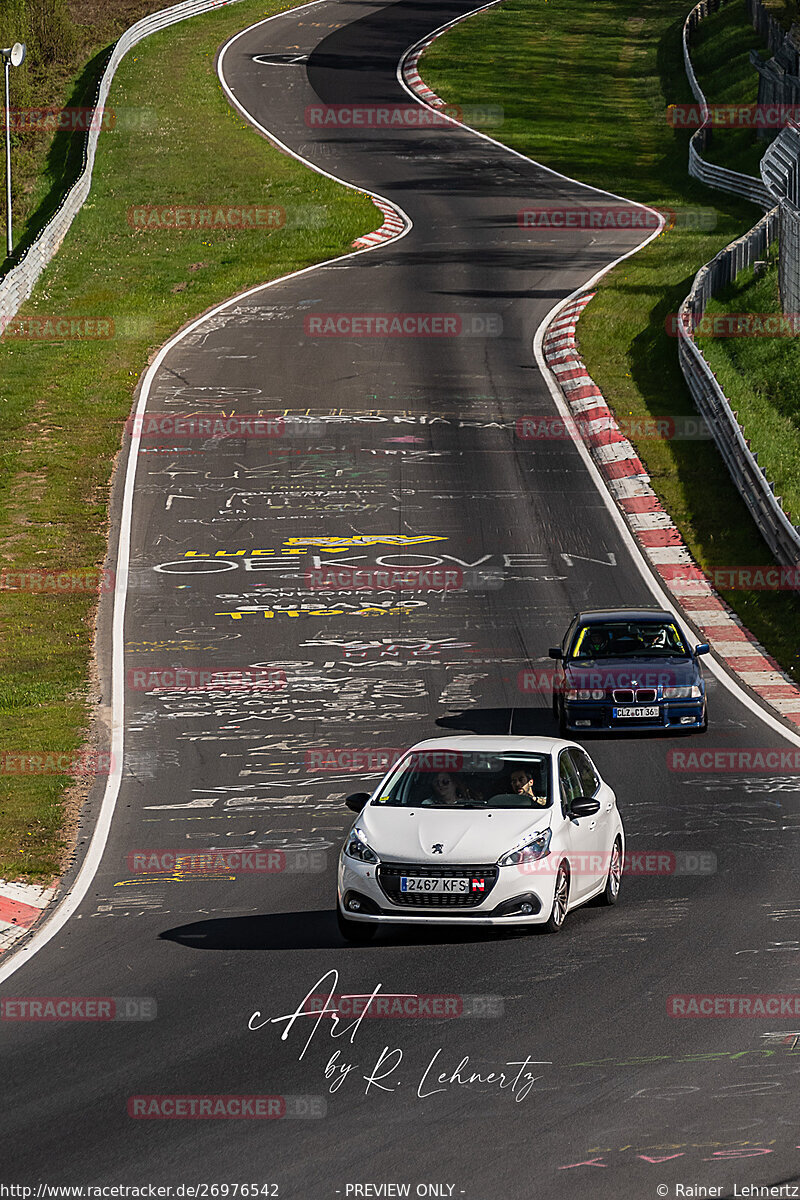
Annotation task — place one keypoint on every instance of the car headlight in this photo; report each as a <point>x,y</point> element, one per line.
<point>357,847</point>
<point>534,847</point>
<point>685,692</point>
<point>586,694</point>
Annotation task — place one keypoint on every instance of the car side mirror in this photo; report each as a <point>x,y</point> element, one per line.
<point>357,801</point>
<point>583,806</point>
<point>703,648</point>
<point>555,652</point>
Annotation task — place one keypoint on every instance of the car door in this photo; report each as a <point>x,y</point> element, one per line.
<point>603,832</point>
<point>581,833</point>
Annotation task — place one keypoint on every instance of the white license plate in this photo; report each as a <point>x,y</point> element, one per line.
<point>650,711</point>
<point>414,883</point>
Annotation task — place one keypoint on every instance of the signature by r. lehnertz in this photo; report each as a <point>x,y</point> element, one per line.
<point>516,1077</point>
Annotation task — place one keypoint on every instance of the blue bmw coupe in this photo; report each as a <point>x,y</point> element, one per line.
<point>629,669</point>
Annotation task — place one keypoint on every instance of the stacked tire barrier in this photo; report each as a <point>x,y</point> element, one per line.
<point>775,525</point>
<point>737,184</point>
<point>17,285</point>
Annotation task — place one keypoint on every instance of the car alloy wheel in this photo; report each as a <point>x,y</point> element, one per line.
<point>611,893</point>
<point>560,901</point>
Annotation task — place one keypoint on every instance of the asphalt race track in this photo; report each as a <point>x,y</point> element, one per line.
<point>410,441</point>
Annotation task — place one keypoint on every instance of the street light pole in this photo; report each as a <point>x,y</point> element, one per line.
<point>9,238</point>
<point>13,56</point>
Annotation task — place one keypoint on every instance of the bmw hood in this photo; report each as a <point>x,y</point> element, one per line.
<point>478,836</point>
<point>609,673</point>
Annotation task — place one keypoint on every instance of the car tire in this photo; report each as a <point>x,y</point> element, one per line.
<point>357,932</point>
<point>610,894</point>
<point>558,912</point>
<point>562,720</point>
<point>704,727</point>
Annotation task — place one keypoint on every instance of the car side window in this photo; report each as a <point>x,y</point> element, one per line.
<point>586,773</point>
<point>568,781</point>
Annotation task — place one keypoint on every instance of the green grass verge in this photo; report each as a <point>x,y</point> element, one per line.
<point>584,90</point>
<point>759,375</point>
<point>63,404</point>
<point>68,47</point>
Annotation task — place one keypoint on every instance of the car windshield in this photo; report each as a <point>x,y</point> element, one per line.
<point>455,779</point>
<point>629,639</point>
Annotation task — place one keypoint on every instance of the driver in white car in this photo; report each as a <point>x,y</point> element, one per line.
<point>522,784</point>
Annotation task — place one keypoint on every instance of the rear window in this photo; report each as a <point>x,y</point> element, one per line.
<point>454,779</point>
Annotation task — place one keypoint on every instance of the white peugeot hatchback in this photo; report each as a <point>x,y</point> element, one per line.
<point>481,831</point>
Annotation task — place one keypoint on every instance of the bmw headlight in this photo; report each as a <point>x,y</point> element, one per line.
<point>357,847</point>
<point>534,847</point>
<point>686,692</point>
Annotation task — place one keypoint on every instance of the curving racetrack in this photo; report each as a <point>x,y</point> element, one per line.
<point>398,437</point>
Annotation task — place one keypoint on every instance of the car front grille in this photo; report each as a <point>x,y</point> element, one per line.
<point>639,696</point>
<point>389,875</point>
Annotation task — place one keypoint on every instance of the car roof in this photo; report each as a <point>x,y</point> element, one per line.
<point>596,615</point>
<point>531,745</point>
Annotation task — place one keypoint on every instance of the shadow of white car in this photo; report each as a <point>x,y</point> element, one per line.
<point>481,831</point>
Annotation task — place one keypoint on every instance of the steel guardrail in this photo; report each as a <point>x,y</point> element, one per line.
<point>737,184</point>
<point>774,524</point>
<point>18,283</point>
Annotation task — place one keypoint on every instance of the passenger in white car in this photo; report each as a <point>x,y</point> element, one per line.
<point>447,791</point>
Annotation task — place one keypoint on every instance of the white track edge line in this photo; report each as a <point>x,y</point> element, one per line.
<point>64,908</point>
<point>72,900</point>
<point>752,703</point>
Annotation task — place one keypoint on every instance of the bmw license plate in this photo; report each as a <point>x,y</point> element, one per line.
<point>634,712</point>
<point>415,883</point>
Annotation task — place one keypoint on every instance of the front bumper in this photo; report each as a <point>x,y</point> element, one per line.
<point>501,906</point>
<point>586,715</point>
